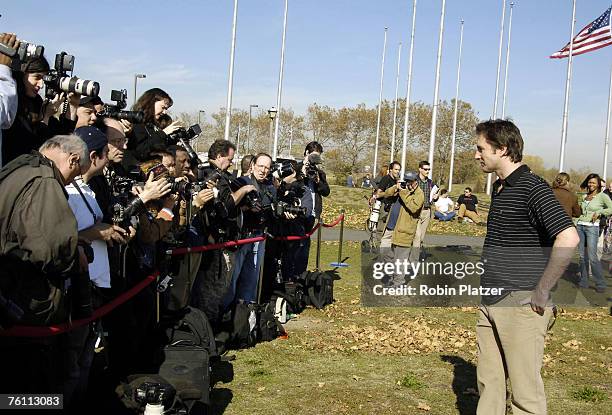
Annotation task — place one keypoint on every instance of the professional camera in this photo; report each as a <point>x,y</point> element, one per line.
<point>57,80</point>
<point>312,168</point>
<point>182,134</point>
<point>281,207</point>
<point>281,169</point>
<point>153,393</point>
<point>374,215</point>
<point>116,111</point>
<point>25,50</point>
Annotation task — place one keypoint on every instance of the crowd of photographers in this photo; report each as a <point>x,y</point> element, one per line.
<point>94,197</point>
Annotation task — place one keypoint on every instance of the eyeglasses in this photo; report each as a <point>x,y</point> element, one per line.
<point>264,168</point>
<point>426,168</point>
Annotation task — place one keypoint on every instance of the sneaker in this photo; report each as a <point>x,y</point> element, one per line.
<point>600,290</point>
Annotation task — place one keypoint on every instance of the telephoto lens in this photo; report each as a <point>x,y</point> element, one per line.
<point>79,86</point>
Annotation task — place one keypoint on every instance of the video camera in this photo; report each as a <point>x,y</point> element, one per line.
<point>116,111</point>
<point>281,169</point>
<point>312,168</point>
<point>57,80</point>
<point>182,135</point>
<point>23,51</point>
<point>153,393</point>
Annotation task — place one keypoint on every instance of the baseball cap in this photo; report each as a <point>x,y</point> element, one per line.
<point>410,176</point>
<point>92,136</point>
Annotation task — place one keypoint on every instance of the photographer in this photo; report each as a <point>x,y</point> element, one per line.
<point>87,110</point>
<point>149,137</point>
<point>409,205</point>
<point>8,88</point>
<point>256,216</point>
<point>38,253</point>
<point>215,223</point>
<point>35,122</point>
<point>386,182</point>
<point>315,181</point>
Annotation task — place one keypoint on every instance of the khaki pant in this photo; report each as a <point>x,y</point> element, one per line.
<point>510,340</point>
<point>419,234</point>
<point>475,217</point>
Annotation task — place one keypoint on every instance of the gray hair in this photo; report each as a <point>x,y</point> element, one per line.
<point>69,144</point>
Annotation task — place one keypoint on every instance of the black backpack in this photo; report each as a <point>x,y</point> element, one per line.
<point>295,295</point>
<point>247,324</point>
<point>319,285</point>
<point>186,363</point>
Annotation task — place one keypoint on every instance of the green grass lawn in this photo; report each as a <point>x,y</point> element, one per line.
<point>348,359</point>
<point>355,205</point>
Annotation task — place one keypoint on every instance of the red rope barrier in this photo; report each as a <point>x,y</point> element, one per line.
<point>35,331</point>
<point>202,248</point>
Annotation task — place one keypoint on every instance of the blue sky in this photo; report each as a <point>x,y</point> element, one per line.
<point>333,56</point>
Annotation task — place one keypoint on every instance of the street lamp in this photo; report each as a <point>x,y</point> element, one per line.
<point>136,76</point>
<point>200,112</point>
<point>272,114</point>
<point>249,126</point>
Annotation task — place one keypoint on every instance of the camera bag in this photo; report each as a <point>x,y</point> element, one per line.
<point>186,363</point>
<point>268,326</point>
<point>319,285</point>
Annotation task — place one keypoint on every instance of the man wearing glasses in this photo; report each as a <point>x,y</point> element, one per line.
<point>468,205</point>
<point>430,191</point>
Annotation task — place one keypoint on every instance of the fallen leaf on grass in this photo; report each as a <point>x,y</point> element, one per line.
<point>321,384</point>
<point>357,378</point>
<point>261,389</point>
<point>424,407</point>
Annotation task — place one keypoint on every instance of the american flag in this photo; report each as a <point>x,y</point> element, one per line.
<point>595,35</point>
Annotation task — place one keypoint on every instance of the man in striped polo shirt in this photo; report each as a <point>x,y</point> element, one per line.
<point>530,241</point>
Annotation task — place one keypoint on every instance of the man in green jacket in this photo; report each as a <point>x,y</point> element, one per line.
<point>404,217</point>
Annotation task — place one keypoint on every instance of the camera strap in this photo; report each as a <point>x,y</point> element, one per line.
<point>78,188</point>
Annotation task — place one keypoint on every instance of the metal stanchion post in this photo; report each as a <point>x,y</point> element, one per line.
<point>318,263</point>
<point>340,263</point>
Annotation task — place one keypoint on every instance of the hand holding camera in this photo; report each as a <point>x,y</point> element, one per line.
<point>9,40</point>
<point>154,189</point>
<point>175,126</point>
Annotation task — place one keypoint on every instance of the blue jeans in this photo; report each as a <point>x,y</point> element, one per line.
<point>589,234</point>
<point>245,274</point>
<point>444,216</point>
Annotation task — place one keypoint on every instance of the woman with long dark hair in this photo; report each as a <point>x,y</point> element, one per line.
<point>34,122</point>
<point>150,137</point>
<point>593,204</point>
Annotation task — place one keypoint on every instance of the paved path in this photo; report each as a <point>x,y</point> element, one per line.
<point>332,234</point>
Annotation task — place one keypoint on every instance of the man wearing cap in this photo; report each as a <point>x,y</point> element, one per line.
<point>408,207</point>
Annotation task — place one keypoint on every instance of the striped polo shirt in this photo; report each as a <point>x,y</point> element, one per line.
<point>524,219</point>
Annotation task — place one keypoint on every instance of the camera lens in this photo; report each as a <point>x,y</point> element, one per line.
<point>79,86</point>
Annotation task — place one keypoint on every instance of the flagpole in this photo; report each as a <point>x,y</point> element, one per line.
<point>507,62</point>
<point>499,62</point>
<point>434,114</point>
<point>382,75</point>
<point>605,166</point>
<point>568,81</point>
<point>280,84</point>
<point>408,88</point>
<point>399,60</point>
<point>452,160</point>
<point>230,82</point>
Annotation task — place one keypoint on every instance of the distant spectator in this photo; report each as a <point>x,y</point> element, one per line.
<point>246,165</point>
<point>349,181</point>
<point>444,207</point>
<point>594,204</point>
<point>567,198</point>
<point>468,206</point>
<point>367,182</point>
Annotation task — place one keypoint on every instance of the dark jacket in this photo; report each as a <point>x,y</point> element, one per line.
<point>568,201</point>
<point>38,236</point>
<point>145,139</point>
<point>320,189</point>
<point>26,134</point>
